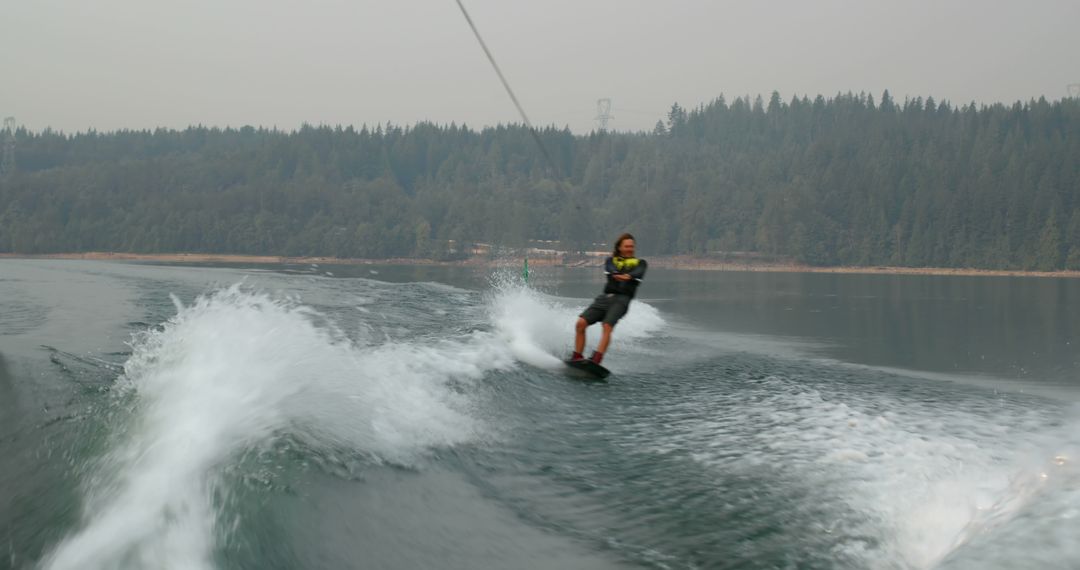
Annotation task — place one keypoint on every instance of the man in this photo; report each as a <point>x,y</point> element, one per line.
<point>624,273</point>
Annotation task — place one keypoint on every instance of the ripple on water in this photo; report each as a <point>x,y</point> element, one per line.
<point>20,316</point>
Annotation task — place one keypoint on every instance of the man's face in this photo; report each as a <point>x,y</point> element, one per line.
<point>626,248</point>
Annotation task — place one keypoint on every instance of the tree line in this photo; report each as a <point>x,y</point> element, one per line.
<point>849,180</point>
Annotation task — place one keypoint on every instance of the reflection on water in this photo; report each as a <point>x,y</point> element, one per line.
<point>1010,327</point>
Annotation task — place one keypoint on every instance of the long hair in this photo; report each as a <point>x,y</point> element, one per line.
<point>619,241</point>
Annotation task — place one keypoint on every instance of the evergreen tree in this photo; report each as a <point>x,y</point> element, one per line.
<point>829,180</point>
<point>677,118</point>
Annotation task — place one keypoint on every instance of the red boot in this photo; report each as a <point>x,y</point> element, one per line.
<point>597,357</point>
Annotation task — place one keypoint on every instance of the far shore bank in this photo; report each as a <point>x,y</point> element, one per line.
<point>668,262</point>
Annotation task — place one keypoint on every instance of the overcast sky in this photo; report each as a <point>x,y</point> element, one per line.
<point>111,64</point>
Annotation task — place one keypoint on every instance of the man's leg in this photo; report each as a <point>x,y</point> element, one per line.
<point>579,336</point>
<point>605,339</point>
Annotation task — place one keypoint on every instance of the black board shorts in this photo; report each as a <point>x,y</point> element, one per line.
<point>607,307</point>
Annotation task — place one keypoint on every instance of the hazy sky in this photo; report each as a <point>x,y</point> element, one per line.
<point>110,64</point>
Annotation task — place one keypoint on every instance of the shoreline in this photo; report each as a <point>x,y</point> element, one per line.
<point>682,262</point>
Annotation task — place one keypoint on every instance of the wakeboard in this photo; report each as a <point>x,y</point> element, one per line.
<point>588,369</point>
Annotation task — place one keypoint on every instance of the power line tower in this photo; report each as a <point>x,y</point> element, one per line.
<point>1073,89</point>
<point>7,156</point>
<point>603,113</point>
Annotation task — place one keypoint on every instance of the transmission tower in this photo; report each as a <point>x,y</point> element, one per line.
<point>1073,89</point>
<point>7,156</point>
<point>603,113</point>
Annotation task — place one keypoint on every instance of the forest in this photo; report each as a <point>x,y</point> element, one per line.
<point>846,180</point>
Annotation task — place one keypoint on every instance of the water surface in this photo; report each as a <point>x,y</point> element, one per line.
<point>157,416</point>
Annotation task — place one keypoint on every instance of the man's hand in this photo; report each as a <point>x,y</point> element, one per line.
<point>621,277</point>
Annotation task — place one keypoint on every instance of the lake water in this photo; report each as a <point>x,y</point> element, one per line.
<point>165,416</point>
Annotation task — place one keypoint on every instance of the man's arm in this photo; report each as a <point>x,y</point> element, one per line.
<point>638,273</point>
<point>609,266</point>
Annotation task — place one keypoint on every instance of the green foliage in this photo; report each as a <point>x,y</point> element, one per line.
<point>825,181</point>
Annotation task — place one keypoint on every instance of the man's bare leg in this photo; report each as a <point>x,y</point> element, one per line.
<point>579,335</point>
<point>605,339</point>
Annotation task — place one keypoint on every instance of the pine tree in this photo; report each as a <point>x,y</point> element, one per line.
<point>1048,255</point>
